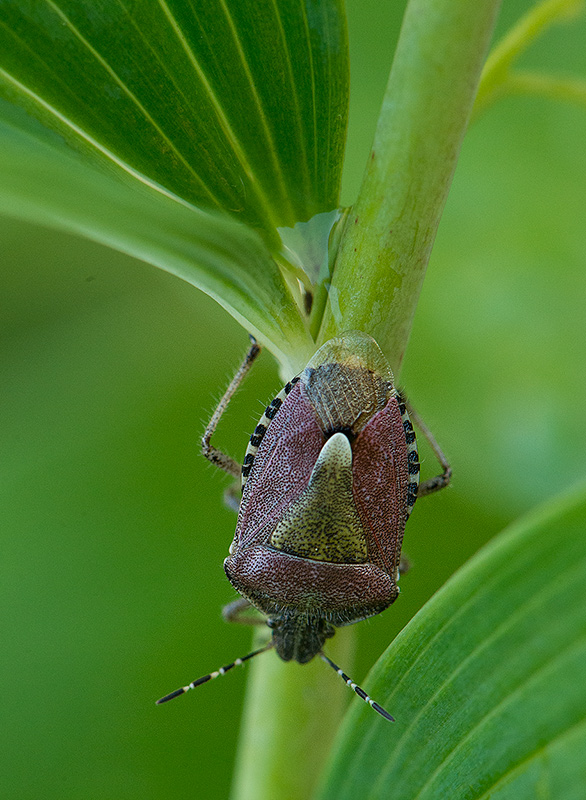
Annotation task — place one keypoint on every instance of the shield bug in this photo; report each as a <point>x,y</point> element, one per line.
<point>329,479</point>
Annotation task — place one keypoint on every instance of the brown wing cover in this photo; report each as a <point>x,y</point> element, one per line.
<point>381,477</point>
<point>282,467</point>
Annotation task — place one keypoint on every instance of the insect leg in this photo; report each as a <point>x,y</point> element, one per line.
<point>440,481</point>
<point>232,497</point>
<point>212,453</point>
<point>404,565</point>
<point>236,612</point>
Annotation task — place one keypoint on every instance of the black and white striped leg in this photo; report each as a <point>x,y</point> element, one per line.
<point>212,675</point>
<point>360,692</point>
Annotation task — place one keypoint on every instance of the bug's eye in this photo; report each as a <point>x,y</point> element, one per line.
<point>273,623</point>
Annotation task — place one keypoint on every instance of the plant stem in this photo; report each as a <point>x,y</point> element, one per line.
<point>291,715</point>
<point>498,79</point>
<point>555,87</point>
<point>389,234</point>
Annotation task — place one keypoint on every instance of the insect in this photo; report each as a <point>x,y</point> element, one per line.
<point>329,479</point>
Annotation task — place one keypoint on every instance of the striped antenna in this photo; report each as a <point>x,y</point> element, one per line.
<point>212,675</point>
<point>360,692</point>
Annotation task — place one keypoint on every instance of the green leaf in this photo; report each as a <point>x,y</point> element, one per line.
<point>45,181</point>
<point>236,106</point>
<point>487,682</point>
<point>222,106</point>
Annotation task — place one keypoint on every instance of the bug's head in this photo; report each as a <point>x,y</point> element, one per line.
<point>299,637</point>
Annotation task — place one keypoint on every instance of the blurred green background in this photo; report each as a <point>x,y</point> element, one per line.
<point>113,527</point>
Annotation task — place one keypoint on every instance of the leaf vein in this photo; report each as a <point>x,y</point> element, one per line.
<point>544,597</point>
<point>88,139</point>
<point>223,121</point>
<point>285,194</point>
<point>103,63</point>
<point>548,666</point>
<point>551,744</point>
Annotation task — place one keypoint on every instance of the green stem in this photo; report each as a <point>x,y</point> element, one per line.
<point>496,78</point>
<point>388,236</point>
<point>572,90</point>
<point>291,715</point>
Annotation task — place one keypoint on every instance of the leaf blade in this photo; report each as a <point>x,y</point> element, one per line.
<point>218,102</point>
<point>47,183</point>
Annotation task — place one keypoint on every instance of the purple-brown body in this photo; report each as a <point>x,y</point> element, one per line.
<point>330,478</point>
